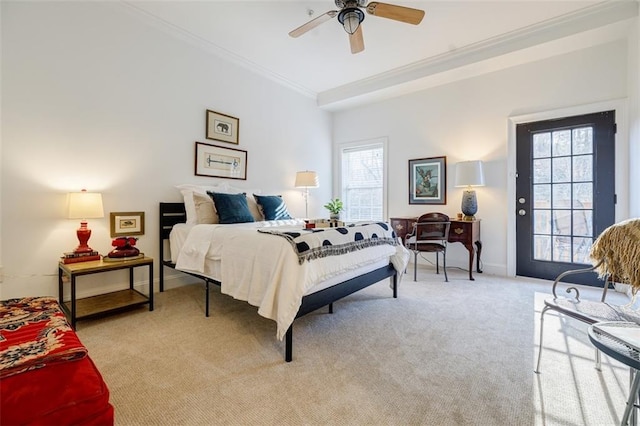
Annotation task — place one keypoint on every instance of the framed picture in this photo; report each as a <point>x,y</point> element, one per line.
<point>428,180</point>
<point>222,127</point>
<point>218,161</point>
<point>125,224</point>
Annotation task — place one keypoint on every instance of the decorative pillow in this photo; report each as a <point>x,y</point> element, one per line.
<point>253,206</point>
<point>231,208</point>
<point>187,190</point>
<point>205,210</point>
<point>273,207</point>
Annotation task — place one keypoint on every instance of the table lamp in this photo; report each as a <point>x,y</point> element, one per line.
<point>84,205</point>
<point>306,180</point>
<point>469,174</point>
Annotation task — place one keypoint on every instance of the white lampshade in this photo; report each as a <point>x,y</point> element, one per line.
<point>85,205</point>
<point>307,179</point>
<point>469,173</point>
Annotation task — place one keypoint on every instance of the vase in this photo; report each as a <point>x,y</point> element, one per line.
<point>334,216</point>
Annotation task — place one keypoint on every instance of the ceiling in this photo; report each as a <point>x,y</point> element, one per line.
<point>456,39</point>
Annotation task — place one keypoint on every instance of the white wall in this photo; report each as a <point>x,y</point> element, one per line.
<point>468,120</point>
<point>94,96</point>
<point>634,121</point>
<point>1,267</point>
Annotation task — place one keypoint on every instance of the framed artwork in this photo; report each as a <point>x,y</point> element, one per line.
<point>219,161</point>
<point>125,224</point>
<point>222,127</point>
<point>428,180</point>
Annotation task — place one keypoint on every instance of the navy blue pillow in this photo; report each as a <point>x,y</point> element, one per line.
<point>273,207</point>
<point>231,208</point>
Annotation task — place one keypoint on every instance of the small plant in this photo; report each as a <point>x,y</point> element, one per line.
<point>334,206</point>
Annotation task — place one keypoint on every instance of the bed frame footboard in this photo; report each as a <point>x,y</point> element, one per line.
<point>325,297</point>
<point>173,213</point>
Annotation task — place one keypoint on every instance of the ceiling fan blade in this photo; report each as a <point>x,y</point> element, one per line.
<point>313,23</point>
<point>397,13</point>
<point>356,41</point>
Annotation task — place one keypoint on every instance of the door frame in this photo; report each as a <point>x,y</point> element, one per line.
<point>621,162</point>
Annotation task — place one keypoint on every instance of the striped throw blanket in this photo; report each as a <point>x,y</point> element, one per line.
<point>315,243</point>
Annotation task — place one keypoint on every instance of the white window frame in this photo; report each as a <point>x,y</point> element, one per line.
<point>341,147</point>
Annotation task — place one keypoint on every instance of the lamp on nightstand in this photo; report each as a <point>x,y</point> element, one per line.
<point>84,205</point>
<point>306,180</point>
<point>469,174</point>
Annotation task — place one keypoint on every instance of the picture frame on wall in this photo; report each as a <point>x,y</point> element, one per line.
<point>428,180</point>
<point>220,161</point>
<point>222,127</point>
<point>125,224</point>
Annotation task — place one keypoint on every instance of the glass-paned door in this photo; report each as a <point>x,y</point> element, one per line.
<point>565,192</point>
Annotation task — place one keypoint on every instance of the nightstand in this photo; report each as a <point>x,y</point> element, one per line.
<point>77,309</point>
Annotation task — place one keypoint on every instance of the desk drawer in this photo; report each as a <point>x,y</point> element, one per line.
<point>461,232</point>
<point>402,226</point>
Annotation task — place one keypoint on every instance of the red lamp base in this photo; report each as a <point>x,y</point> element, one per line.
<point>83,234</point>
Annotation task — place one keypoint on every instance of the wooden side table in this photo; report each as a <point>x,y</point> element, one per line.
<point>464,232</point>
<point>77,309</point>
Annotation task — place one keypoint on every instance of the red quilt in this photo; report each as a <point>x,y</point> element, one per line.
<point>34,333</point>
<point>46,377</point>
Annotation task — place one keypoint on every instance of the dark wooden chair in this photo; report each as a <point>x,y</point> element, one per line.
<point>429,234</point>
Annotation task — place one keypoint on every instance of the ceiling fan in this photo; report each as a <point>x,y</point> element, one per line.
<point>351,16</point>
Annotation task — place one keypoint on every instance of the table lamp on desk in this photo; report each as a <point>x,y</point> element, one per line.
<point>469,174</point>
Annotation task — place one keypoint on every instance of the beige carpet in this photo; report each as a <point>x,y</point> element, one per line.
<point>457,353</point>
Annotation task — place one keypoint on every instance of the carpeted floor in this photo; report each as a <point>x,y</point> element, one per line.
<point>457,353</point>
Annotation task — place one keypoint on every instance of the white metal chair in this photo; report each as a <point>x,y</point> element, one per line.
<point>617,253</point>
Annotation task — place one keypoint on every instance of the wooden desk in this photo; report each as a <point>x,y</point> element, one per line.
<point>461,231</point>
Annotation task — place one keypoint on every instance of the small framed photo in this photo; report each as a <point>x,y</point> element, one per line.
<point>219,161</point>
<point>428,180</point>
<point>125,224</point>
<point>222,127</point>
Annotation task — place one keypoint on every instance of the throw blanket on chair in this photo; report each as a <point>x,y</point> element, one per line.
<point>33,333</point>
<point>619,247</point>
<point>315,243</point>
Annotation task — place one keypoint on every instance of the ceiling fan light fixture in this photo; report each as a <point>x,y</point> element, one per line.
<point>350,18</point>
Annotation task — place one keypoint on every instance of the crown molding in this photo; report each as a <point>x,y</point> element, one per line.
<point>585,19</point>
<point>214,49</point>
<point>396,81</point>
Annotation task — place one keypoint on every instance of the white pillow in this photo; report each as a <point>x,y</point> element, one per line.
<point>187,190</point>
<point>205,209</point>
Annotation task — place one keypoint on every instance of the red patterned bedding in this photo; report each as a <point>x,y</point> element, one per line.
<point>46,376</point>
<point>34,333</point>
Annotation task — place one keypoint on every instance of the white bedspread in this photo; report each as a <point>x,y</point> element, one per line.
<point>263,269</point>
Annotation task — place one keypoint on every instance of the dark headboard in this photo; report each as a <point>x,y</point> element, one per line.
<point>170,214</point>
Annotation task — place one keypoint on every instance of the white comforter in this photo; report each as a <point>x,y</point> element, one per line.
<point>263,269</point>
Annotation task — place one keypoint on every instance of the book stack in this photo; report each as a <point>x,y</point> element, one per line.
<point>324,223</point>
<point>73,257</point>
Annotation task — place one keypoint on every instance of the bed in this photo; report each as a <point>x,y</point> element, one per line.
<point>256,250</point>
<point>46,375</point>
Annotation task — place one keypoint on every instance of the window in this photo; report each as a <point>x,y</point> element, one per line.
<point>363,180</point>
